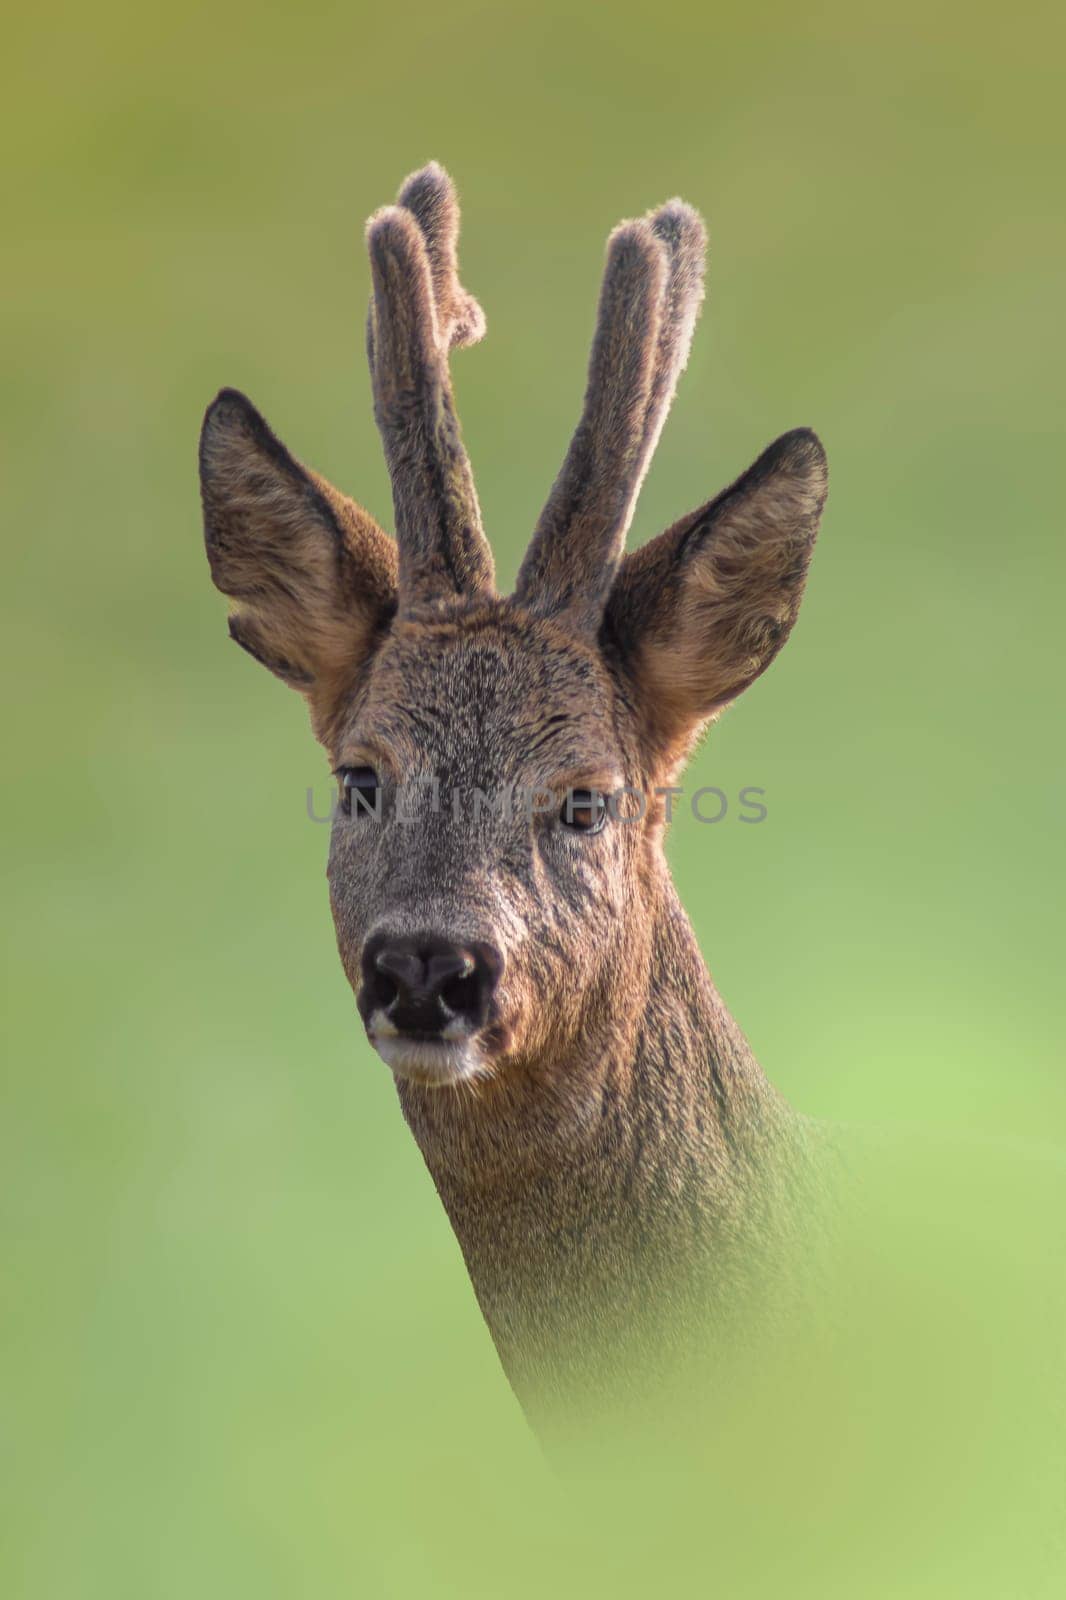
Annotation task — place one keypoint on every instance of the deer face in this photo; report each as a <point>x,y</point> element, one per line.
<point>477,880</point>
<point>484,888</point>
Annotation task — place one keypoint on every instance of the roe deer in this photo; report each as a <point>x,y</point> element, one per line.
<point>608,1150</point>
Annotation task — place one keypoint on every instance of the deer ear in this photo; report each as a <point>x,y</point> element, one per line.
<point>701,611</point>
<point>312,575</point>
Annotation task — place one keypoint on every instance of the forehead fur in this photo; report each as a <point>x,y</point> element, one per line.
<point>487,689</point>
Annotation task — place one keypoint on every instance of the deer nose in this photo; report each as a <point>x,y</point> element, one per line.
<point>423,983</point>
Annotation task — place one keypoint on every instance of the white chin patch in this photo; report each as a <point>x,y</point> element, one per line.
<point>427,1061</point>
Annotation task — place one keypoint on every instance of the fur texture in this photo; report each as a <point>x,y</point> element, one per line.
<point>616,1166</point>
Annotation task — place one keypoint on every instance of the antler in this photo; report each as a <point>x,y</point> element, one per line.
<point>418,312</point>
<point>649,302</point>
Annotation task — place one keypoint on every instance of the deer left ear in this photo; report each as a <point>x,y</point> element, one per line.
<point>311,575</point>
<point>696,615</point>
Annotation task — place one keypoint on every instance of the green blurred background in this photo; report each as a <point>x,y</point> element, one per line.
<point>240,1354</point>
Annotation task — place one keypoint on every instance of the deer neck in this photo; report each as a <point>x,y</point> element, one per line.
<point>570,1183</point>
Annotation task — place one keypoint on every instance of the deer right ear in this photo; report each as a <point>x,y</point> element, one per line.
<point>312,574</point>
<point>696,615</point>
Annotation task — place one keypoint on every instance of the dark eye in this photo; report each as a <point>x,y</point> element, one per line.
<point>584,811</point>
<point>362,785</point>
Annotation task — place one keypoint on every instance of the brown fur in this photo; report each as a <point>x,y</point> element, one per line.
<point>617,1168</point>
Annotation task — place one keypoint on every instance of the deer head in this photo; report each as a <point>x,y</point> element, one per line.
<point>490,910</point>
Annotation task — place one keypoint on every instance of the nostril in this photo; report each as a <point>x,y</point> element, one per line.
<point>383,990</point>
<point>395,972</point>
<point>462,995</point>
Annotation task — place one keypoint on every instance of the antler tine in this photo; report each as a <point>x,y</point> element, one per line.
<point>430,197</point>
<point>581,531</point>
<point>682,231</point>
<point>418,310</point>
<point>652,289</point>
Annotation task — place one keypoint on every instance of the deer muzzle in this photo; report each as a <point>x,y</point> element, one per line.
<point>424,999</point>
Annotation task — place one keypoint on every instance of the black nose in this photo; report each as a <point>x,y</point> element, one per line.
<point>422,983</point>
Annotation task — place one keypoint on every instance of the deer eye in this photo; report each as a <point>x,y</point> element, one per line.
<point>584,811</point>
<point>364,785</point>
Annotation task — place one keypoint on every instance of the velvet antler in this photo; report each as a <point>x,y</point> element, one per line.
<point>418,312</point>
<point>652,288</point>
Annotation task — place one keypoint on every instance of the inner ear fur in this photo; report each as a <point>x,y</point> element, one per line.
<point>696,615</point>
<point>312,575</point>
